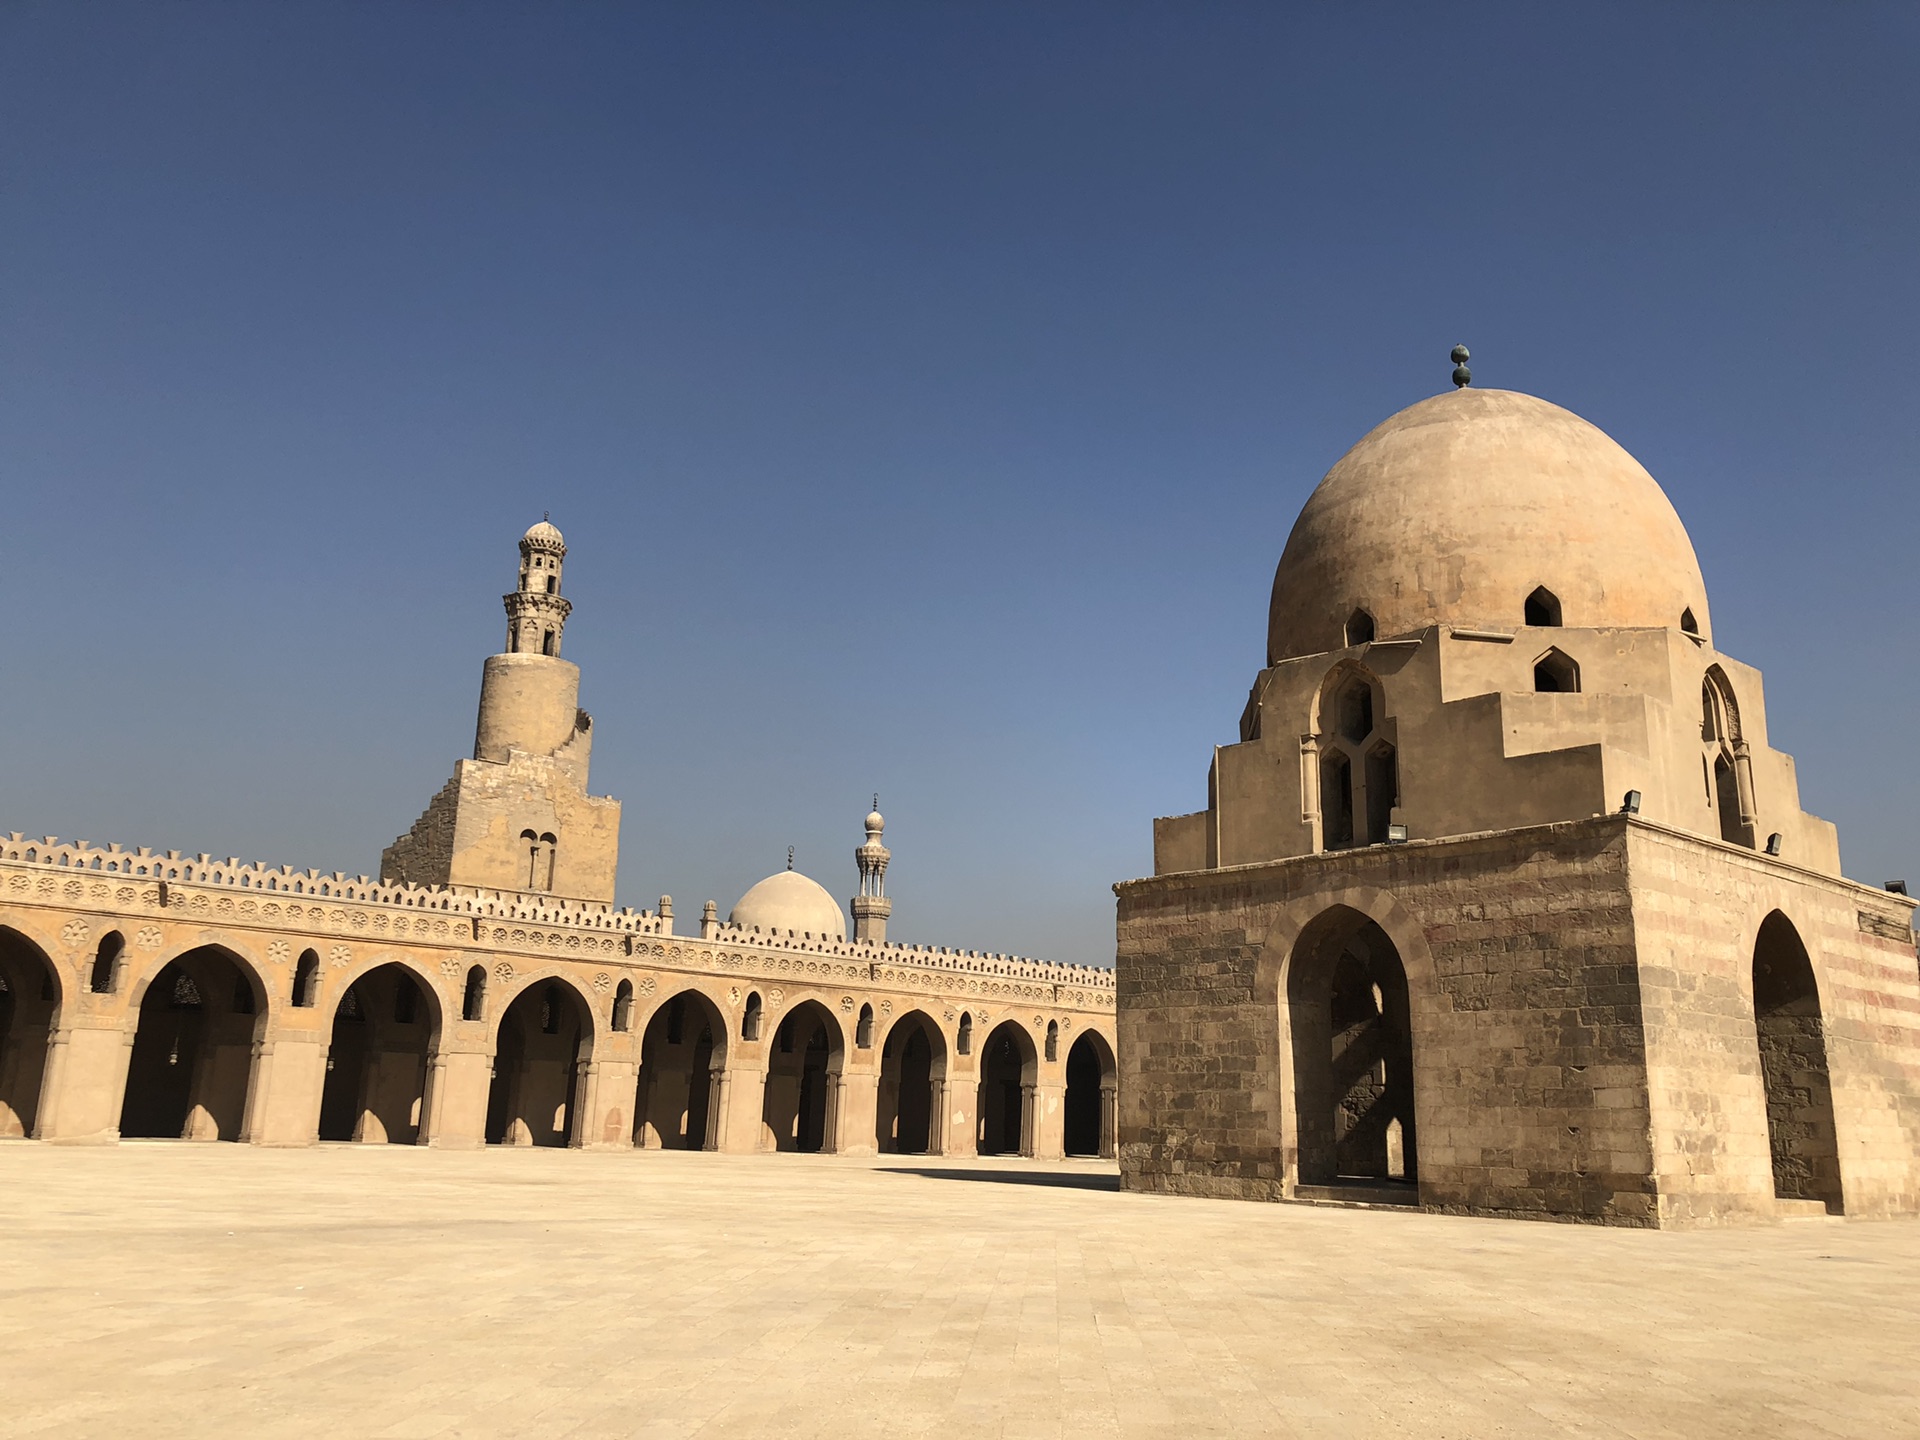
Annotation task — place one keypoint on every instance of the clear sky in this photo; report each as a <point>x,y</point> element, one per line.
<point>925,393</point>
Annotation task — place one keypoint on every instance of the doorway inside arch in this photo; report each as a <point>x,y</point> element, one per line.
<point>1092,1088</point>
<point>29,1014</point>
<point>540,1048</point>
<point>913,1087</point>
<point>1009,1069</point>
<point>191,1070</point>
<point>682,1059</point>
<point>384,1028</point>
<point>1801,1135</point>
<point>801,1106</point>
<point>1352,1040</point>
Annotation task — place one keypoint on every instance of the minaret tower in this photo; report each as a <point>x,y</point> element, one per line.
<point>536,615</point>
<point>517,816</point>
<point>871,907</point>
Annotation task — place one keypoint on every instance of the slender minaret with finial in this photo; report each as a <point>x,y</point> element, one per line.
<point>871,907</point>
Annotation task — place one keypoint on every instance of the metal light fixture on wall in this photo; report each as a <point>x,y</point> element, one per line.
<point>1773,843</point>
<point>1631,805</point>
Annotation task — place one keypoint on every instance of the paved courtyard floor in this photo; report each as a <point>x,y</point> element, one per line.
<point>167,1289</point>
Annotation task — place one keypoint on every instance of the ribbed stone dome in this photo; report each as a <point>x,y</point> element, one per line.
<point>1458,508</point>
<point>789,901</point>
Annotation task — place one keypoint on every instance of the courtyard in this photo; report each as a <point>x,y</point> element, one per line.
<point>163,1288</point>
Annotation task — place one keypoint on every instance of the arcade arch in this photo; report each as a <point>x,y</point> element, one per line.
<point>1093,1080</point>
<point>683,1056</point>
<point>801,1104</point>
<point>385,1029</point>
<point>1801,1136</point>
<point>540,1051</point>
<point>1009,1072</point>
<point>1351,1036</point>
<point>911,1111</point>
<point>192,1068</point>
<point>29,1015</point>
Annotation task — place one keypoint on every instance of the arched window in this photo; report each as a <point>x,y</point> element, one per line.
<point>546,643</point>
<point>863,1032</point>
<point>1336,800</point>
<point>306,979</point>
<point>1360,628</point>
<point>750,1020</point>
<point>473,1005</point>
<point>545,860</point>
<point>1689,625</point>
<point>1554,673</point>
<point>623,1006</point>
<point>965,1043</point>
<point>106,963</point>
<point>1383,790</point>
<point>1724,760</point>
<point>1543,609</point>
<point>1053,1039</point>
<point>553,584</point>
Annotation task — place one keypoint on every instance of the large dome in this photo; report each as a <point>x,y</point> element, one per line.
<point>789,901</point>
<point>1460,507</point>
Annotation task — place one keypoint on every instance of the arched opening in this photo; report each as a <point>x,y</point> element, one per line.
<point>1351,1033</point>
<point>1053,1041</point>
<point>750,1017</point>
<point>682,1058</point>
<point>863,1031</point>
<point>384,1029</point>
<point>540,1049</point>
<point>1092,1087</point>
<point>1689,625</point>
<point>623,1007</point>
<point>105,976</point>
<point>1726,801</point>
<point>1360,628</point>
<point>1542,608</point>
<point>801,1104</point>
<point>1009,1070</point>
<point>546,643</point>
<point>29,1015</point>
<point>1336,800</point>
<point>553,584</point>
<point>306,979</point>
<point>473,1000</point>
<point>1383,790</point>
<point>1793,1064</point>
<point>1724,759</point>
<point>913,1087</point>
<point>963,1042</point>
<point>1554,673</point>
<point>192,1065</point>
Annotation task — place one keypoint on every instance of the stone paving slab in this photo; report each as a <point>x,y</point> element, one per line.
<point>171,1290</point>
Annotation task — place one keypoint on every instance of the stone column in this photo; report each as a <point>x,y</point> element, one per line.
<point>1049,1123</point>
<point>745,1100</point>
<point>459,1120</point>
<point>937,1118</point>
<point>85,1081</point>
<point>1109,1113</point>
<point>830,1131</point>
<point>283,1097</point>
<point>859,1113</point>
<point>1029,1118</point>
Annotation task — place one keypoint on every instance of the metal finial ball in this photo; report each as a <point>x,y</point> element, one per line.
<point>1460,355</point>
<point>1461,374</point>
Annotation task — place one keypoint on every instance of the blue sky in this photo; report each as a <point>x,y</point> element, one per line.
<point>925,391</point>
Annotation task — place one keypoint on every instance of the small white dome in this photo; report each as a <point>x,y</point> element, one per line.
<point>545,533</point>
<point>789,901</point>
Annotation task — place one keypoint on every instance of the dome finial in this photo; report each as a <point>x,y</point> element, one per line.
<point>789,857</point>
<point>1462,376</point>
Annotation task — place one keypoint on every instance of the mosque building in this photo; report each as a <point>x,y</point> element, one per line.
<point>486,990</point>
<point>1502,903</point>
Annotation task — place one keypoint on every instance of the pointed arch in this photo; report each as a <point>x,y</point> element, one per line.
<point>32,998</point>
<point>683,1057</point>
<point>1089,1109</point>
<point>1009,1077</point>
<point>385,1031</point>
<point>800,1106</point>
<point>1802,1138</point>
<point>910,1115</point>
<point>542,1046</point>
<point>201,1016</point>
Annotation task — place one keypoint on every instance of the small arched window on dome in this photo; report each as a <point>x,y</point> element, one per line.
<point>1689,625</point>
<point>1542,609</point>
<point>1360,628</point>
<point>1555,673</point>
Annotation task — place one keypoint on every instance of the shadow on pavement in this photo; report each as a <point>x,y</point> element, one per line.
<point>1060,1180</point>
